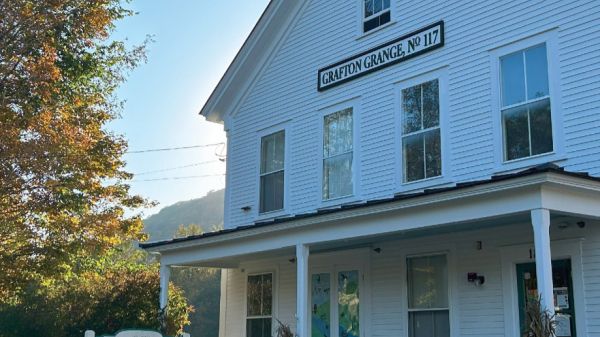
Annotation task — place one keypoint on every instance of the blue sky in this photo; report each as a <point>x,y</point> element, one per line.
<point>194,42</point>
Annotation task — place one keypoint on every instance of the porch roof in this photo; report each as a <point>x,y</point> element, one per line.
<point>400,197</point>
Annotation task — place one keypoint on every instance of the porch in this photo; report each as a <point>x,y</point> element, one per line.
<point>489,229</point>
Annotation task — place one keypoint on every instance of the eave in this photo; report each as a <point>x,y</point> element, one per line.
<point>250,60</point>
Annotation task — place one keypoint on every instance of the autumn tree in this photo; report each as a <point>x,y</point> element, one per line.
<point>63,190</point>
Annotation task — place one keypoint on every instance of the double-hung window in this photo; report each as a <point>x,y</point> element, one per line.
<point>376,13</point>
<point>272,167</point>
<point>526,113</point>
<point>338,139</point>
<point>421,139</point>
<point>428,311</point>
<point>259,314</point>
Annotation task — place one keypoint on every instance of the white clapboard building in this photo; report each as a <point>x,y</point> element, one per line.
<point>408,168</point>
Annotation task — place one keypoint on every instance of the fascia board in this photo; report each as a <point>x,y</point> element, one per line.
<point>257,50</point>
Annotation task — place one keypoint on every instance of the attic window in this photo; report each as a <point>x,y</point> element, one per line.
<point>376,13</point>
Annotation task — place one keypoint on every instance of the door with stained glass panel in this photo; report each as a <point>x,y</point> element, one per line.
<point>336,303</point>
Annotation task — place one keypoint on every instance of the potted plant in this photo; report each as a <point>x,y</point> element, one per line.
<point>540,322</point>
<point>283,330</point>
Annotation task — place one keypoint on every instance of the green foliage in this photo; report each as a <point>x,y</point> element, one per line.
<point>206,212</point>
<point>114,294</point>
<point>202,287</point>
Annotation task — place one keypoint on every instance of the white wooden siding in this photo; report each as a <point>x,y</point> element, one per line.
<point>325,33</point>
<point>479,310</point>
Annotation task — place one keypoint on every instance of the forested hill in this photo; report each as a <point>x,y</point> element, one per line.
<point>205,212</point>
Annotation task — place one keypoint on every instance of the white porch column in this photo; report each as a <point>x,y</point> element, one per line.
<point>165,275</point>
<point>302,306</point>
<point>540,218</point>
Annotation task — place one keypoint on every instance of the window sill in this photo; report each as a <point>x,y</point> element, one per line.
<point>338,202</point>
<point>375,30</point>
<point>271,215</point>
<point>424,184</point>
<point>521,163</point>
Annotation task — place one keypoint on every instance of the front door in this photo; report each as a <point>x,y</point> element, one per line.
<point>563,295</point>
<point>335,303</point>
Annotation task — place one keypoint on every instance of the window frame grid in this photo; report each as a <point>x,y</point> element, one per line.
<point>263,134</point>
<point>273,300</point>
<point>421,131</point>
<point>365,18</point>
<point>526,103</point>
<point>449,292</point>
<point>374,15</point>
<point>504,48</point>
<point>352,106</point>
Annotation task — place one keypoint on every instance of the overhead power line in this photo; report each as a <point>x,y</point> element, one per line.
<point>175,148</point>
<point>179,178</point>
<point>177,167</point>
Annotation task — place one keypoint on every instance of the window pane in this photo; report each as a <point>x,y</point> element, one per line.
<point>431,104</point>
<point>348,306</point>
<point>429,324</point>
<point>384,18</point>
<point>537,72</point>
<point>271,192</point>
<point>258,327</point>
<point>272,152</point>
<point>414,161</point>
<point>377,7</point>
<point>427,282</point>
<point>338,133</point>
<point>516,133</point>
<point>433,154</point>
<point>541,127</point>
<point>371,24</point>
<point>267,294</point>
<point>254,295</point>
<point>321,305</point>
<point>337,176</point>
<point>368,8</point>
<point>411,109</point>
<point>386,4</point>
<point>513,79</point>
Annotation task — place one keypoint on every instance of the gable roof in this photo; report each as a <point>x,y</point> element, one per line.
<point>250,60</point>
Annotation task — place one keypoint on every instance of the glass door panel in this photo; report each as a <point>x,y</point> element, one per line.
<point>321,305</point>
<point>348,303</point>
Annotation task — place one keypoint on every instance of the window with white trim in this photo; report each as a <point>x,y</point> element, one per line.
<point>428,309</point>
<point>526,112</point>
<point>338,148</point>
<point>421,137</point>
<point>376,13</point>
<point>272,169</point>
<point>259,314</point>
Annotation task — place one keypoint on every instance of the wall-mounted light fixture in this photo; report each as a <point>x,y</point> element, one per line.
<point>476,279</point>
<point>246,208</point>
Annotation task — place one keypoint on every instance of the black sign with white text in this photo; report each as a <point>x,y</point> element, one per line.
<point>406,47</point>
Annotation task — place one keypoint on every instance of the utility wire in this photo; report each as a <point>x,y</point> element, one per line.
<point>177,167</point>
<point>174,148</point>
<point>179,178</point>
